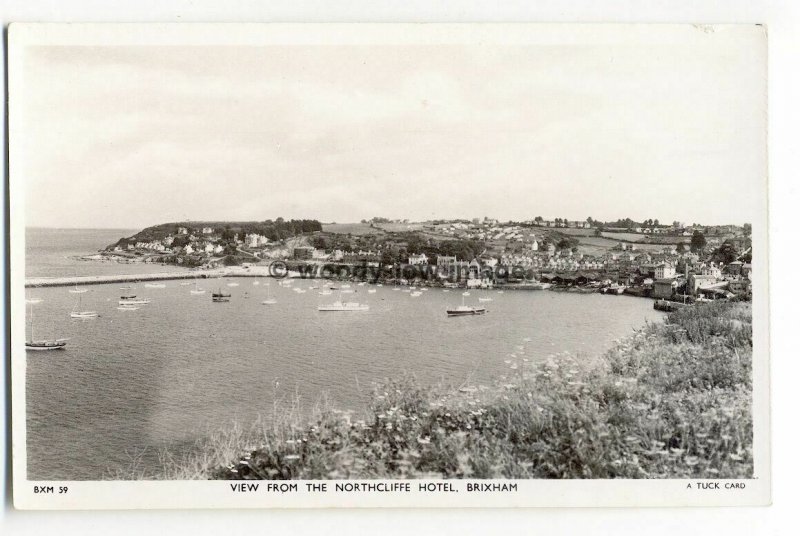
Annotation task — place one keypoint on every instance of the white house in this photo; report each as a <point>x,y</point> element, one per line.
<point>665,270</point>
<point>420,259</point>
<point>208,230</point>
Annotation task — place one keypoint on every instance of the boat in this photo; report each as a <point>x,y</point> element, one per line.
<point>499,291</point>
<point>133,300</point>
<point>615,288</point>
<point>82,314</point>
<point>197,290</point>
<point>340,305</point>
<point>372,291</point>
<point>345,286</point>
<point>484,299</point>
<point>155,285</point>
<point>125,288</point>
<point>325,292</point>
<point>256,283</point>
<point>220,296</point>
<point>34,345</point>
<point>465,310</point>
<point>127,307</point>
<point>233,284</point>
<point>344,306</point>
<point>77,290</point>
<point>57,344</point>
<point>269,300</point>
<point>185,283</point>
<point>416,294</point>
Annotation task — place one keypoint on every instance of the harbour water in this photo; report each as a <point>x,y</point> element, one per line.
<point>134,382</point>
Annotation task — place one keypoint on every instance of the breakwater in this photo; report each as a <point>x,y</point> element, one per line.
<point>38,282</point>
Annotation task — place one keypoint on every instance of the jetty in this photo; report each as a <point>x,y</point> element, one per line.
<point>39,282</point>
<point>228,271</point>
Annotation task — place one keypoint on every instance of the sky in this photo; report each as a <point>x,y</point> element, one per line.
<point>127,137</point>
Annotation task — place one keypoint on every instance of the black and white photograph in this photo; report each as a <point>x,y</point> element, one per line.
<point>389,265</point>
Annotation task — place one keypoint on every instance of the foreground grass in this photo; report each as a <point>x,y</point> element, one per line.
<point>672,401</point>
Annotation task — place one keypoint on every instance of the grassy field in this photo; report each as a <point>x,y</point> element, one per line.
<point>671,401</point>
<point>350,228</point>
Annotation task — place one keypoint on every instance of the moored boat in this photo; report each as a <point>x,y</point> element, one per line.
<point>464,309</point>
<point>43,345</point>
<point>75,313</point>
<point>220,296</point>
<point>344,306</point>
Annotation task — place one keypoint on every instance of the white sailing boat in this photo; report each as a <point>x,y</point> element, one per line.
<point>34,345</point>
<point>82,314</point>
<point>269,300</point>
<point>197,290</point>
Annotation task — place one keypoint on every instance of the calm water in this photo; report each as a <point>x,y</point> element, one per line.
<point>167,373</point>
<point>50,252</point>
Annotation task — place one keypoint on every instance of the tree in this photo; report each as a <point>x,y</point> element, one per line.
<point>681,247</point>
<point>726,253</point>
<point>748,229</point>
<point>655,222</point>
<point>698,242</point>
